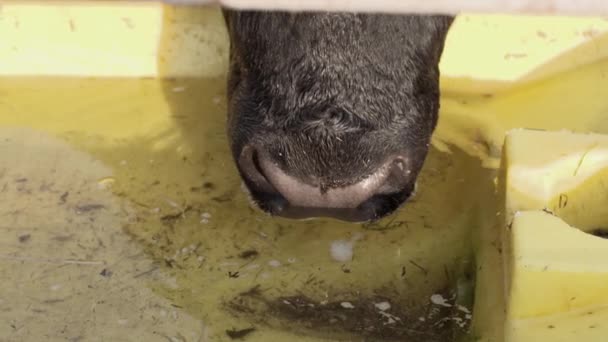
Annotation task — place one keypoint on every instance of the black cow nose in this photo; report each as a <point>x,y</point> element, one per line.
<point>280,194</point>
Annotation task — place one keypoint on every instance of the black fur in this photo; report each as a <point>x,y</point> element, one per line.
<point>332,95</point>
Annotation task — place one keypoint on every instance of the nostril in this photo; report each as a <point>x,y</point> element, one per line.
<point>249,165</point>
<point>264,193</point>
<point>398,176</point>
<point>401,166</point>
<point>272,203</point>
<point>381,205</point>
<point>396,186</point>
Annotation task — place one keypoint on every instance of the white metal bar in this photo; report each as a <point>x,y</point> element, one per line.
<point>540,7</point>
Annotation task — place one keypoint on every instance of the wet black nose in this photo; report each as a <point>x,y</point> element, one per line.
<point>278,193</point>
